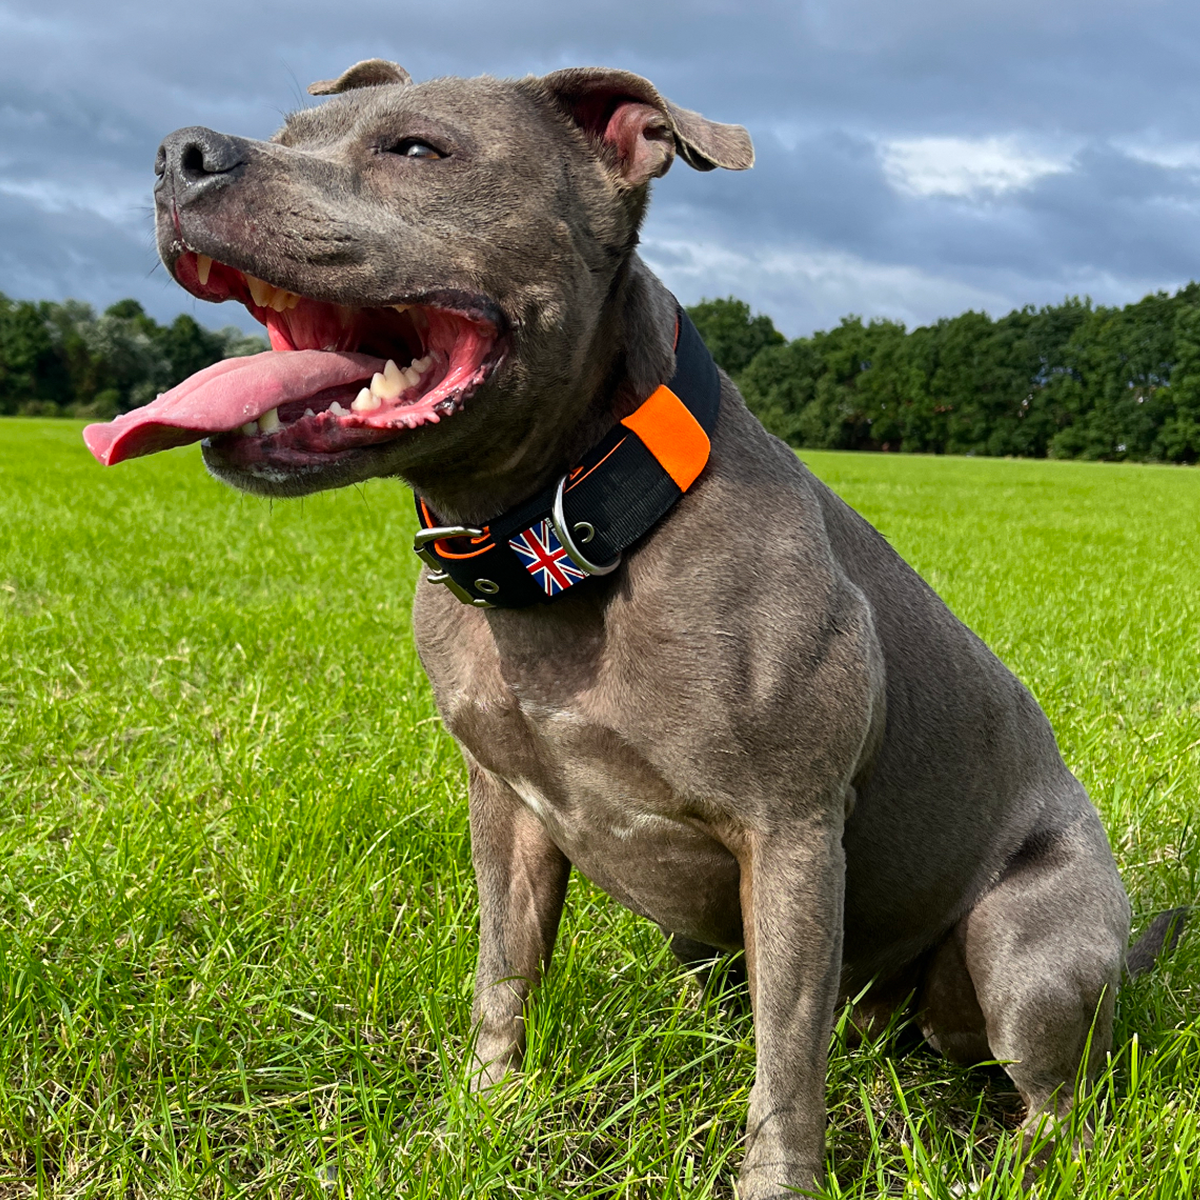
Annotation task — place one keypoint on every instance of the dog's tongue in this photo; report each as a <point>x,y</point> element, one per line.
<point>225,396</point>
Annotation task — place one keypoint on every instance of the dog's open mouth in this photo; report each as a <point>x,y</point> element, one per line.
<point>336,378</point>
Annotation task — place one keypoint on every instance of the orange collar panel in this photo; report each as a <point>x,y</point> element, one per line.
<point>672,434</point>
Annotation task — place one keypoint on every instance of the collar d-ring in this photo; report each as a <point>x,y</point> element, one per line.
<point>558,522</point>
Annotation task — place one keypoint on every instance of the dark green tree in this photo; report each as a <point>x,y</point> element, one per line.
<point>779,385</point>
<point>732,335</point>
<point>1067,380</point>
<point>32,372</point>
<point>62,358</point>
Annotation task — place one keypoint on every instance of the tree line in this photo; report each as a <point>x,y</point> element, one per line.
<point>1072,380</point>
<point>65,360</point>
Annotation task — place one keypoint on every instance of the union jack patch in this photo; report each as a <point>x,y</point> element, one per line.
<point>546,559</point>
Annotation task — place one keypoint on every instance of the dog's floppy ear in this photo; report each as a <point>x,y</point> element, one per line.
<point>371,72</point>
<point>644,129</point>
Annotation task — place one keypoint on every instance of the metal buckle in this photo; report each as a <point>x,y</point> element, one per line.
<point>422,545</point>
<point>558,521</point>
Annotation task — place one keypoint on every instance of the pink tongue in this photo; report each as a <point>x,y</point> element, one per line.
<point>223,397</point>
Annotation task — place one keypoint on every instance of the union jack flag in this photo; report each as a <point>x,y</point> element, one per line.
<point>546,559</point>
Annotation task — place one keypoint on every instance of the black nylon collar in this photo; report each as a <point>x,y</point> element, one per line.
<point>579,526</point>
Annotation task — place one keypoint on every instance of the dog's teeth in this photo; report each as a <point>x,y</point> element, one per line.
<point>411,377</point>
<point>391,372</point>
<point>203,267</point>
<point>385,388</point>
<point>269,421</point>
<point>250,428</point>
<point>337,410</point>
<point>308,412</point>
<point>421,365</point>
<point>260,292</point>
<point>402,307</point>
<point>266,295</point>
<point>365,401</point>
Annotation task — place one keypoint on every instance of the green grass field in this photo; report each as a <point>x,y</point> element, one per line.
<point>237,923</point>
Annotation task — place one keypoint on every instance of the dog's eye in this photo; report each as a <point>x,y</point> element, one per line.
<point>412,148</point>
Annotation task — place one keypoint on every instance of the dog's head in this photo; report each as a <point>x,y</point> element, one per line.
<point>443,256</point>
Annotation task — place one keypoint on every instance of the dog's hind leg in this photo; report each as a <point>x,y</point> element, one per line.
<point>886,1006</point>
<point>948,1011</point>
<point>1029,976</point>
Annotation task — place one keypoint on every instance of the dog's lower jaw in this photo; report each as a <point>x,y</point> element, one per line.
<point>263,480</point>
<point>267,479</point>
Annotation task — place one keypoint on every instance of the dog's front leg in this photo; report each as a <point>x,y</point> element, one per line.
<point>792,882</point>
<point>521,876</point>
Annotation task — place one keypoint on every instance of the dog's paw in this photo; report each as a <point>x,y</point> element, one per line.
<point>797,1183</point>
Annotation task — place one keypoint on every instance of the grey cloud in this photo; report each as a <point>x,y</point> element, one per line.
<point>817,229</point>
<point>70,253</point>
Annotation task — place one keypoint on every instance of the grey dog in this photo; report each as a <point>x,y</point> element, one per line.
<point>759,728</point>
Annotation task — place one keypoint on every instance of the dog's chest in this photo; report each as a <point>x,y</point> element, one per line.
<point>570,747</point>
<point>621,823</point>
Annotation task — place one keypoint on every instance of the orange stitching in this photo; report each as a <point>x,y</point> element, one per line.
<point>450,553</point>
<point>599,464</point>
<point>437,546</point>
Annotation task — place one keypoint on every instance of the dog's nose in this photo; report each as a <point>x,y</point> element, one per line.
<point>196,161</point>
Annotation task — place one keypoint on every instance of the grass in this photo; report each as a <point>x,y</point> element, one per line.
<point>237,923</point>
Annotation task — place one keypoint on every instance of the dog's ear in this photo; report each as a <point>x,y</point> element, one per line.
<point>371,72</point>
<point>643,129</point>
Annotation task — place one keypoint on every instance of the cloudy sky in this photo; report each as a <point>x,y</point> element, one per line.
<point>914,159</point>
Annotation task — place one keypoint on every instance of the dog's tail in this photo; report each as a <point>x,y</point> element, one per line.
<point>1160,938</point>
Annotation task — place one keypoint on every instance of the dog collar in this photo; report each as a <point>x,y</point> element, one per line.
<point>579,526</point>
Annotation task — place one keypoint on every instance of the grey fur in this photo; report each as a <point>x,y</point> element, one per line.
<point>765,731</point>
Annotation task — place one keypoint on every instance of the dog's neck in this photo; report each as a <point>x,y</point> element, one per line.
<point>637,333</point>
<point>630,353</point>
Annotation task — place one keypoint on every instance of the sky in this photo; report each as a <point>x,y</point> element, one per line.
<point>914,159</point>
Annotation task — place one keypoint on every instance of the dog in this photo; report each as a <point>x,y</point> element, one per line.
<point>672,658</point>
